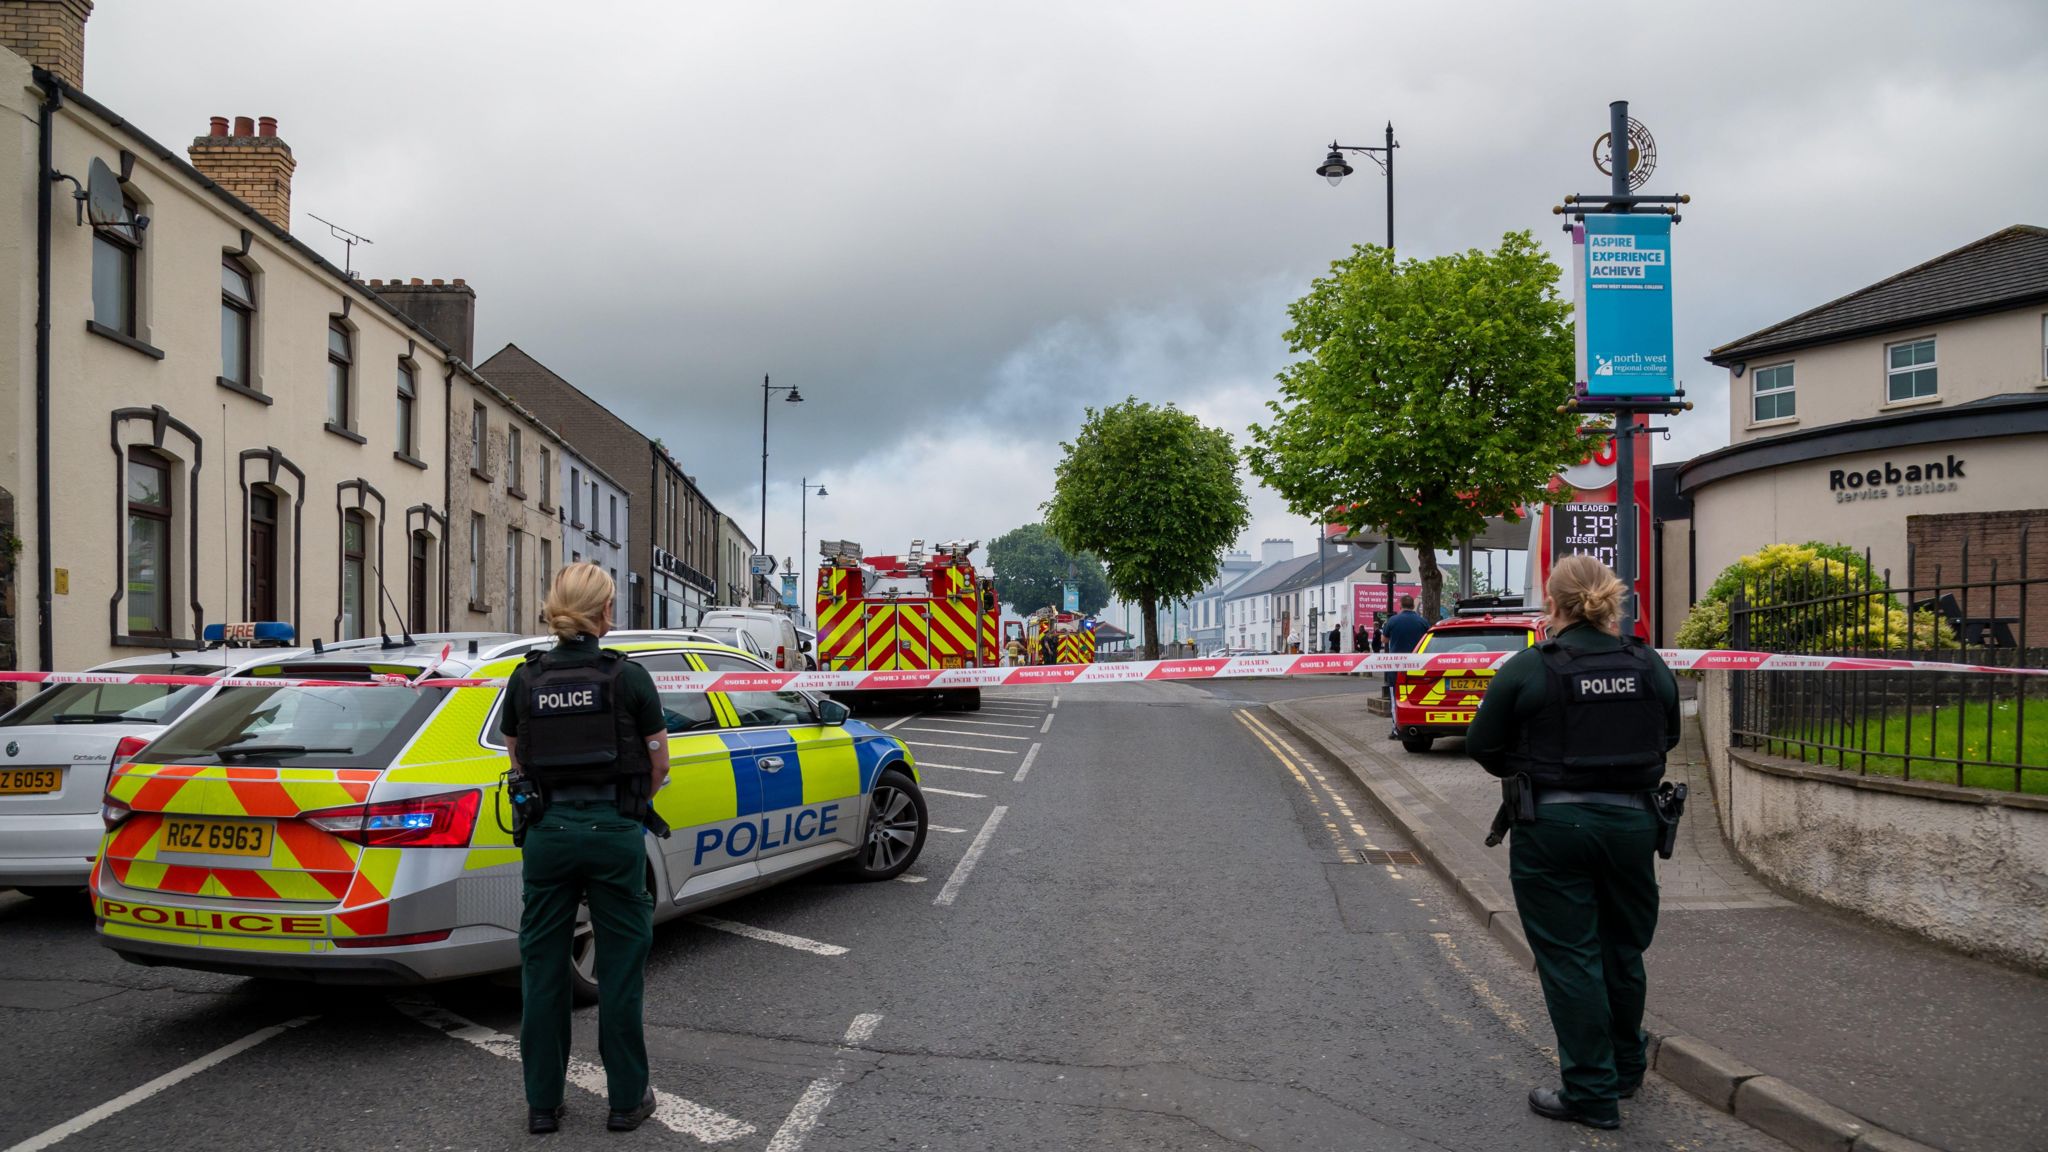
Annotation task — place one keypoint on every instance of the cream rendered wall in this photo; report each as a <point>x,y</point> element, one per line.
<point>92,376</point>
<point>504,507</point>
<point>1793,503</point>
<point>1976,357</point>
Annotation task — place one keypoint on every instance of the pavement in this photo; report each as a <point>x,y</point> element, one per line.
<point>1146,918</point>
<point>1826,1029</point>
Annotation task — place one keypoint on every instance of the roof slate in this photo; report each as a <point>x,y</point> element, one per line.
<point>2005,269</point>
<point>1270,578</point>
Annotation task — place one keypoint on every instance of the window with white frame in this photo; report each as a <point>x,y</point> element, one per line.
<point>515,580</point>
<point>1771,395</point>
<point>479,439</point>
<point>1909,371</point>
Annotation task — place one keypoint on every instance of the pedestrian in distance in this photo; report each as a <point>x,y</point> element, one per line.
<point>1402,632</point>
<point>1579,726</point>
<point>584,726</point>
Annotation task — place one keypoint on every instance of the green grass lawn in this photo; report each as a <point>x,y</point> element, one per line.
<point>1884,751</point>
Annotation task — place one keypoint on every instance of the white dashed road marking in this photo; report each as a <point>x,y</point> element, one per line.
<point>950,792</point>
<point>960,747</point>
<point>990,723</point>
<point>769,936</point>
<point>810,1107</point>
<point>1029,758</point>
<point>942,828</point>
<point>975,735</point>
<point>672,1112</point>
<point>965,868</point>
<point>1047,726</point>
<point>137,1095</point>
<point>891,725</point>
<point>912,879</point>
<point>960,768</point>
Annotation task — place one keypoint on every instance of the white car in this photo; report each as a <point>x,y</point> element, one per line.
<point>59,744</point>
<point>772,632</point>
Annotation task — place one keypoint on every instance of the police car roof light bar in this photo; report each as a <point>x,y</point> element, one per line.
<point>274,633</point>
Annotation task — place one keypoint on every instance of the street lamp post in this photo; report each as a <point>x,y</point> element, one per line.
<point>1335,168</point>
<point>803,541</point>
<point>794,397</point>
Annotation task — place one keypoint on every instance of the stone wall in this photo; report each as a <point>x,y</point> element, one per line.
<point>1964,867</point>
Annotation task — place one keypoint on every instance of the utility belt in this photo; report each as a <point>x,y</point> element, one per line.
<point>530,800</point>
<point>1520,797</point>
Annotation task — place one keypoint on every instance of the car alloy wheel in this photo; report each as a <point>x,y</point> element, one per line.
<point>892,829</point>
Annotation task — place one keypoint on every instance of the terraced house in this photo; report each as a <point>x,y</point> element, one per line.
<point>197,386</point>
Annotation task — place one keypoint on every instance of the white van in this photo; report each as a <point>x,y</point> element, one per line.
<point>774,632</point>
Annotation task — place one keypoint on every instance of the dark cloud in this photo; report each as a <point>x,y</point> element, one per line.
<point>957,225</point>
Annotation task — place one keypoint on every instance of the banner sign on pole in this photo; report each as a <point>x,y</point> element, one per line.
<point>1626,301</point>
<point>1070,597</point>
<point>789,589</point>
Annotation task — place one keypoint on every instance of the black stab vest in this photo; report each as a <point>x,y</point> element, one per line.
<point>572,729</point>
<point>1602,728</point>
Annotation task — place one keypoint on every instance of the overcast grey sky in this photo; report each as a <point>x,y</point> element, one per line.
<point>955,226</point>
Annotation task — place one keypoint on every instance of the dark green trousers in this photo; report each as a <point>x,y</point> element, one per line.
<point>1585,882</point>
<point>584,851</point>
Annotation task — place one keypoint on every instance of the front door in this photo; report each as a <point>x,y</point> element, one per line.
<point>262,555</point>
<point>809,772</point>
<point>416,584</point>
<point>712,801</point>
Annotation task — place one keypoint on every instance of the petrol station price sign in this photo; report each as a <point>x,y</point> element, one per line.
<point>1583,530</point>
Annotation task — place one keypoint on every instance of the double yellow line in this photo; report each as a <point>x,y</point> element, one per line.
<point>1299,767</point>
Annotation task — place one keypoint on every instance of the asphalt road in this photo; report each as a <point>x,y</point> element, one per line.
<point>1146,919</point>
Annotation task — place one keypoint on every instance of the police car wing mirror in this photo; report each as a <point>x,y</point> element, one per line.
<point>833,712</point>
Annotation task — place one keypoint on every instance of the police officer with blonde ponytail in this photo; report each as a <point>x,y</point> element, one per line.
<point>1579,726</point>
<point>585,725</point>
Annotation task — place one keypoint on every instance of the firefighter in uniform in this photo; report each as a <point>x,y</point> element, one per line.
<point>1586,718</point>
<point>585,725</point>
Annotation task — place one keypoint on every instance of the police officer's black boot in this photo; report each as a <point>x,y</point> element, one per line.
<point>627,1121</point>
<point>1548,1103</point>
<point>541,1121</point>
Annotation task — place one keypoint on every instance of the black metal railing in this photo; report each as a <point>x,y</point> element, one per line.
<point>1972,729</point>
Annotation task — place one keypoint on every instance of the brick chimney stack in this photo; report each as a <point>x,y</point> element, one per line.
<point>251,162</point>
<point>49,34</point>
<point>447,309</point>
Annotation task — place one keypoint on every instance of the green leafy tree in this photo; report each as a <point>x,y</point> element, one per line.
<point>1426,398</point>
<point>1030,567</point>
<point>1156,494</point>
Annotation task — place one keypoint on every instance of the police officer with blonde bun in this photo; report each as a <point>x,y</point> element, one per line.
<point>585,725</point>
<point>1584,719</point>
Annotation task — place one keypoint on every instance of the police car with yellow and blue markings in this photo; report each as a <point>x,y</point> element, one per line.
<point>353,831</point>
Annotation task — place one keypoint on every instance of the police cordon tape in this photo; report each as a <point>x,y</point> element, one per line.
<point>1062,675</point>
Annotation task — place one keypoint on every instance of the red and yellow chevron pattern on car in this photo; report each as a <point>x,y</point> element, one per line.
<point>955,632</point>
<point>898,637</point>
<point>293,860</point>
<point>1461,688</point>
<point>841,638</point>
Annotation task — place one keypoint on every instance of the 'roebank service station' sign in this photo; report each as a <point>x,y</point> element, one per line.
<point>1627,300</point>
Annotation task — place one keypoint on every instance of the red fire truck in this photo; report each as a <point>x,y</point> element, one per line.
<point>907,613</point>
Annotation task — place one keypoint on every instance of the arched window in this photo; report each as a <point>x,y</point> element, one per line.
<point>237,323</point>
<point>354,535</point>
<point>149,544</point>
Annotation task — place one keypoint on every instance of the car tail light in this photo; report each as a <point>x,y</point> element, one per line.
<point>112,811</point>
<point>444,821</point>
<point>128,748</point>
<point>782,657</point>
<point>434,937</point>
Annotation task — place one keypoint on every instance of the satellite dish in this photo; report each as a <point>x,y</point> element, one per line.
<point>104,204</point>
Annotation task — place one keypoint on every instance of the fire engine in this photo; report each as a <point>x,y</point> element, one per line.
<point>1073,640</point>
<point>907,613</point>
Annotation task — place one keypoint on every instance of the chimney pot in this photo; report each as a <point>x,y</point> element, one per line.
<point>437,282</point>
<point>266,125</point>
<point>244,126</point>
<point>257,170</point>
<point>417,280</point>
<point>217,126</point>
<point>459,282</point>
<point>374,281</point>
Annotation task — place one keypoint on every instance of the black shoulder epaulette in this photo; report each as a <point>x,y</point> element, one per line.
<point>533,656</point>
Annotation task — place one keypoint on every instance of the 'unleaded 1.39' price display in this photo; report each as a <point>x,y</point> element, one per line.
<point>1583,529</point>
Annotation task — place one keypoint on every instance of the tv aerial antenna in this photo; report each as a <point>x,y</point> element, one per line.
<point>349,239</point>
